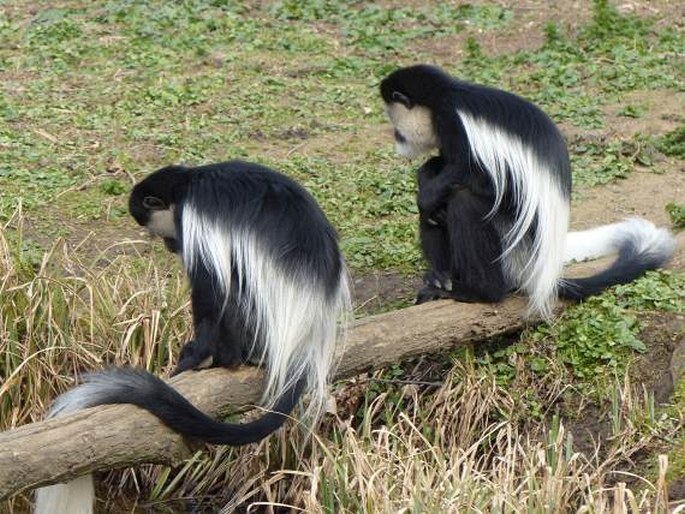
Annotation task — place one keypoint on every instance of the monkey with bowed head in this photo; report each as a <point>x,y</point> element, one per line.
<point>268,285</point>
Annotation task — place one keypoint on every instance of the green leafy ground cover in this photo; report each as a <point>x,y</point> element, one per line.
<point>94,95</point>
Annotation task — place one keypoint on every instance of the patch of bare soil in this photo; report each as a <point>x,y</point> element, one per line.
<point>335,143</point>
<point>676,490</point>
<point>94,240</point>
<point>643,194</point>
<point>663,112</point>
<point>524,32</point>
<point>378,291</point>
<point>662,333</point>
<point>664,12</point>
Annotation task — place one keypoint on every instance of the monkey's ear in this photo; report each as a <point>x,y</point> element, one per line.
<point>403,99</point>
<point>154,203</point>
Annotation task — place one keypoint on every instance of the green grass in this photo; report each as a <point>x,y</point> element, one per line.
<point>117,89</point>
<point>673,143</point>
<point>590,344</point>
<point>677,214</point>
<point>95,95</point>
<point>597,161</point>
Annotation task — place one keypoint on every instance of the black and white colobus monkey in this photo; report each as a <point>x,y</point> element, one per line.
<point>494,203</point>
<point>268,284</point>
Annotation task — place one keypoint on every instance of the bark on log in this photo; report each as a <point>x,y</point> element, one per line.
<point>108,437</point>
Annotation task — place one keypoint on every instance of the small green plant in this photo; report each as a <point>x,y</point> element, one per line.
<point>631,111</point>
<point>598,161</point>
<point>656,291</point>
<point>114,187</point>
<point>673,143</point>
<point>676,211</point>
<point>602,331</point>
<point>595,338</point>
<point>609,26</point>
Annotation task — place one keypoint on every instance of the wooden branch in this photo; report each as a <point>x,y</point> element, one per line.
<point>107,437</point>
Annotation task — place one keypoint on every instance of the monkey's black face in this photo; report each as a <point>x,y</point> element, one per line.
<point>399,137</point>
<point>153,202</point>
<point>142,206</point>
<point>413,122</point>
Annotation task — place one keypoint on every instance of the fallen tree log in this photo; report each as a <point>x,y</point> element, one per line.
<point>109,437</point>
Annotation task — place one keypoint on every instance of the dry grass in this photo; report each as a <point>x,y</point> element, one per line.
<point>468,445</point>
<point>465,449</point>
<point>61,313</point>
<point>94,92</point>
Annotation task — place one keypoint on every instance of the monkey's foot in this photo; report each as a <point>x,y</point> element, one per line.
<point>456,292</point>
<point>198,355</point>
<point>438,280</point>
<point>430,293</point>
<point>193,356</point>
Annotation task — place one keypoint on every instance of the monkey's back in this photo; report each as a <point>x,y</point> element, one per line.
<point>282,217</point>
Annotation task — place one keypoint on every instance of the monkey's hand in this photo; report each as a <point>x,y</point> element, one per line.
<point>434,194</point>
<point>193,356</point>
<point>430,293</point>
<point>430,169</point>
<point>438,217</point>
<point>172,245</point>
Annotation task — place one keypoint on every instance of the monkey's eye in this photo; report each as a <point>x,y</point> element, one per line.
<point>153,203</point>
<point>402,98</point>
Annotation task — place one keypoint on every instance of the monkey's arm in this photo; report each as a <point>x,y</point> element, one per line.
<point>434,190</point>
<point>172,244</point>
<point>214,342</point>
<point>471,246</point>
<point>434,194</point>
<point>430,169</point>
<point>437,181</point>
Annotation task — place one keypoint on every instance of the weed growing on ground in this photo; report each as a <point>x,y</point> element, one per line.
<point>115,90</point>
<point>676,211</point>
<point>94,96</point>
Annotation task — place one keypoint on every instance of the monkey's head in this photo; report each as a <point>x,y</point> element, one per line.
<point>413,98</point>
<point>153,201</point>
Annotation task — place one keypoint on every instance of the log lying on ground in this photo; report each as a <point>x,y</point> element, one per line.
<point>108,437</point>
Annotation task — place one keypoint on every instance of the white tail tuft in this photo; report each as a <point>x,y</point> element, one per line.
<point>77,496</point>
<point>608,239</point>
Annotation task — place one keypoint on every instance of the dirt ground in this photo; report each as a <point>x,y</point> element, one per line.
<point>643,193</point>
<point>664,334</point>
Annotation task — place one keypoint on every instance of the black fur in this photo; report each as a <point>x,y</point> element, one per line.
<point>443,95</point>
<point>137,387</point>
<point>291,227</point>
<point>455,192</point>
<point>445,227</point>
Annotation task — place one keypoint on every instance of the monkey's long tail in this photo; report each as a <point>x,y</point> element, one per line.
<point>137,387</point>
<point>640,245</point>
